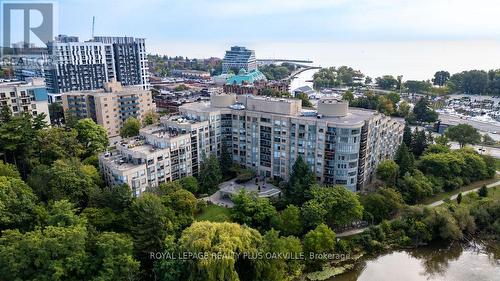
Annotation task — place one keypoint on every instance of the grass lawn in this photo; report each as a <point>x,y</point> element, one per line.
<point>447,194</point>
<point>214,213</point>
<point>497,164</point>
<point>494,192</point>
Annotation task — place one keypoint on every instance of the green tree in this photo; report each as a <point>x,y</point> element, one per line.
<point>348,96</point>
<point>473,82</point>
<point>290,221</point>
<point>393,97</point>
<point>386,82</point>
<point>53,253</point>
<point>342,206</point>
<point>278,269</point>
<point>93,137</point>
<point>130,128</point>
<point>423,112</point>
<point>151,225</point>
<point>442,140</point>
<point>254,211</point>
<point>319,241</point>
<point>436,148</point>
<point>463,134</point>
<point>56,113</point>
<point>69,179</point>
<point>368,80</point>
<point>419,142</point>
<point>404,159</point>
<point>404,109</point>
<point>190,184</point>
<point>150,117</point>
<point>415,187</point>
<point>301,180</point>
<point>61,213</point>
<point>183,204</point>
<point>17,139</point>
<point>442,224</point>
<point>385,105</point>
<point>407,135</point>
<point>217,239</point>
<point>305,99</point>
<point>8,170</point>
<point>113,258</point>
<point>440,78</point>
<point>487,140</point>
<point>313,214</point>
<point>388,171</point>
<point>210,175</point>
<point>483,191</point>
<point>57,143</point>
<point>70,119</point>
<point>5,114</point>
<point>17,204</point>
<point>418,87</point>
<point>383,204</point>
<point>226,162</point>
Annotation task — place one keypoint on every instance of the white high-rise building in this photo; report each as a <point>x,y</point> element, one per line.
<point>239,58</point>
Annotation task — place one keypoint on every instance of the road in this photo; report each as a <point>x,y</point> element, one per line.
<point>495,152</point>
<point>434,204</point>
<point>482,126</point>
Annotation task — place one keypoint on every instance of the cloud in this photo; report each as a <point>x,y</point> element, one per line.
<point>298,20</point>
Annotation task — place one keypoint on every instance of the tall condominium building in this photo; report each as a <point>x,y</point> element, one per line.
<point>341,145</point>
<point>78,66</point>
<point>239,58</point>
<point>25,96</point>
<point>130,58</point>
<point>110,106</point>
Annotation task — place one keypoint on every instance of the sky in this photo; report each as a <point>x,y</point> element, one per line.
<point>327,31</point>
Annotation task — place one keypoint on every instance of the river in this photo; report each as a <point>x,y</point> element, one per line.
<point>455,262</point>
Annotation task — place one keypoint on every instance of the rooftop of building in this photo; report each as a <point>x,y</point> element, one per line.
<point>116,161</point>
<point>245,77</point>
<point>111,87</point>
<point>353,116</point>
<point>28,82</point>
<point>177,119</point>
<point>159,132</point>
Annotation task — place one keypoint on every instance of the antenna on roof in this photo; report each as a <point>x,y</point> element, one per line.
<point>93,26</point>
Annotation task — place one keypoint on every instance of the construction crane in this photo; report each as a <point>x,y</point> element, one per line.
<point>93,26</point>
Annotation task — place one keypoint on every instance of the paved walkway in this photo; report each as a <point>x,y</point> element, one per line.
<point>437,203</point>
<point>434,204</point>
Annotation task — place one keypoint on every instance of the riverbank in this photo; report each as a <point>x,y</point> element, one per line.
<point>473,220</point>
<point>457,261</point>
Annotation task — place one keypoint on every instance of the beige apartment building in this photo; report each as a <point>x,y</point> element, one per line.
<point>111,106</point>
<point>25,97</point>
<point>341,145</point>
<point>145,161</point>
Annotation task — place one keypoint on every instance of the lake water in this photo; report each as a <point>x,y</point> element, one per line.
<point>412,59</point>
<point>302,79</point>
<point>455,262</point>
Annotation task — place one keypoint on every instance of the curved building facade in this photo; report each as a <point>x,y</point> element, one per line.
<point>342,145</point>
